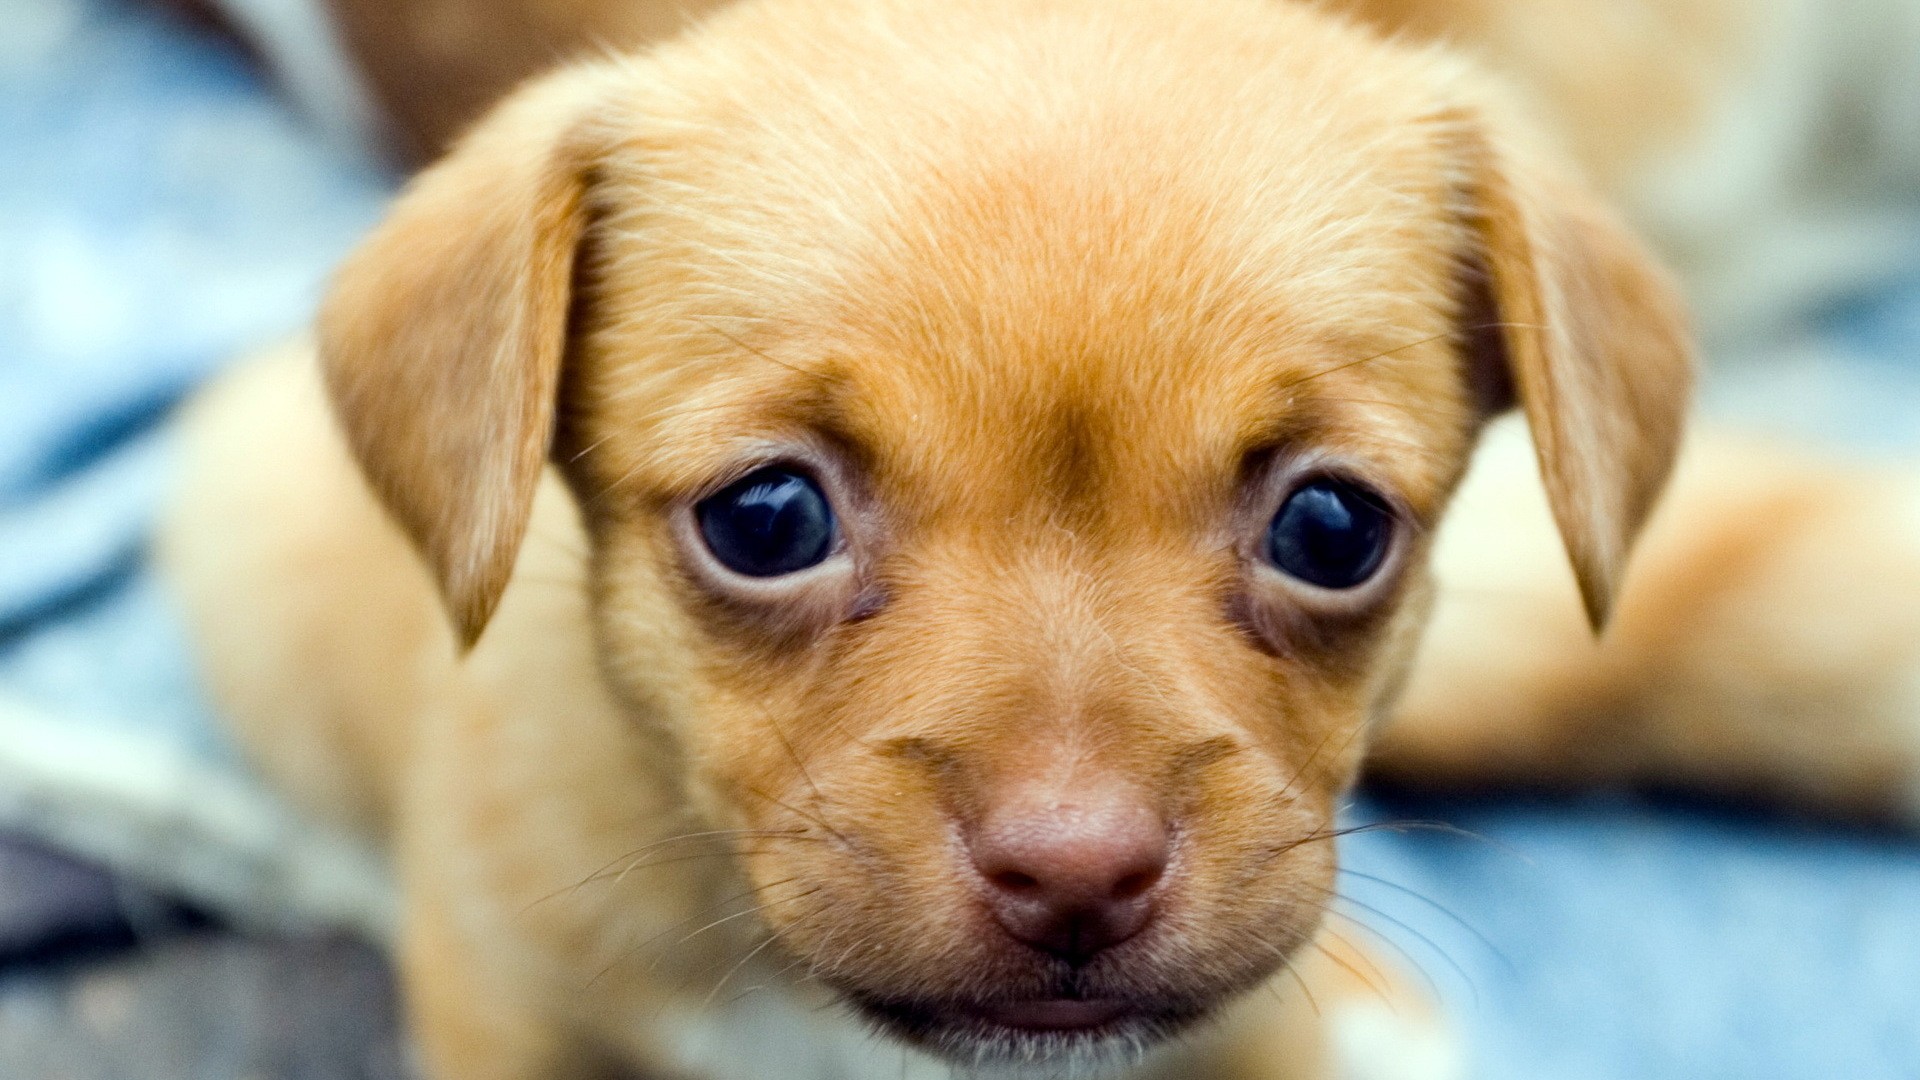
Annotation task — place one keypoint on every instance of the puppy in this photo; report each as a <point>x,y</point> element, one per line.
<point>406,76</point>
<point>1766,148</point>
<point>912,508</point>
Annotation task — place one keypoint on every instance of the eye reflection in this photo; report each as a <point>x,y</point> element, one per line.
<point>1330,533</point>
<point>770,523</point>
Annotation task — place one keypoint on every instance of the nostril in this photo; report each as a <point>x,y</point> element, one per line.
<point>1014,881</point>
<point>1137,884</point>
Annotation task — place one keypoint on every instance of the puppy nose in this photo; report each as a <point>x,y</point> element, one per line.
<point>1072,873</point>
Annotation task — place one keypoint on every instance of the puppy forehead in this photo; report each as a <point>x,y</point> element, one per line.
<point>1022,250</point>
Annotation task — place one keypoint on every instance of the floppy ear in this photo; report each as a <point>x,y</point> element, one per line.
<point>1590,336</point>
<point>444,334</point>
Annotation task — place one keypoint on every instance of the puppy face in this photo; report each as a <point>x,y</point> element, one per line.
<point>1009,442</point>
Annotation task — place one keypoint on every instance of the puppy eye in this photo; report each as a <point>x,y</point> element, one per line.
<point>1330,533</point>
<point>768,523</point>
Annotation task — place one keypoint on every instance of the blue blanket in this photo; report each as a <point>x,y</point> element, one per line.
<point>159,212</point>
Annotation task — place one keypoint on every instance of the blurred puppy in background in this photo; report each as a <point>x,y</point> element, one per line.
<point>919,508</point>
<point>1767,148</point>
<point>406,76</point>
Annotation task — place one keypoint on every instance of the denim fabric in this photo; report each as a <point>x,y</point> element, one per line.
<point>159,212</point>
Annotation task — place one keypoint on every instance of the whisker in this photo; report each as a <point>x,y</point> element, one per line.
<point>1453,332</point>
<point>1378,991</point>
<point>771,979</point>
<point>1449,829</point>
<point>1333,369</point>
<point>1300,980</point>
<point>674,412</point>
<point>721,854</point>
<point>1360,955</point>
<point>755,910</point>
<point>641,852</point>
<point>1399,826</point>
<point>1324,835</point>
<point>1425,939</point>
<point>819,798</point>
<point>706,910</point>
<point>1435,905</point>
<point>1286,790</point>
<point>748,894</point>
<point>837,834</point>
<point>762,354</point>
<point>738,964</point>
<point>1400,950</point>
<point>596,444</point>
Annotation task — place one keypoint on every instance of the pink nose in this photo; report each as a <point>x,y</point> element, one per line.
<point>1071,872</point>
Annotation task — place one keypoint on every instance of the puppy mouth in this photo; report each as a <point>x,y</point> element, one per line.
<point>1029,1030</point>
<point>1053,1015</point>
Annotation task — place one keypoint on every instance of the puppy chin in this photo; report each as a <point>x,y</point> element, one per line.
<point>1033,1040</point>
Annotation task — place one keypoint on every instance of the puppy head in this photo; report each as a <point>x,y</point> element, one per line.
<point>1009,440</point>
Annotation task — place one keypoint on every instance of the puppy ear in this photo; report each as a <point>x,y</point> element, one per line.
<point>1576,321</point>
<point>444,334</point>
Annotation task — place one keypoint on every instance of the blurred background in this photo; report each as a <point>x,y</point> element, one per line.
<point>175,184</point>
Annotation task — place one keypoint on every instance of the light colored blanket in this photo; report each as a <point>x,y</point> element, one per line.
<point>160,213</point>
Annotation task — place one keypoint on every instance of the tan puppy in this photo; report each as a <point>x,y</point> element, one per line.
<point>998,450</point>
<point>407,76</point>
<point>1766,146</point>
<point>1768,646</point>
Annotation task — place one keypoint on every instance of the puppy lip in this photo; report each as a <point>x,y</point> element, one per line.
<point>1033,1026</point>
<point>1053,1014</point>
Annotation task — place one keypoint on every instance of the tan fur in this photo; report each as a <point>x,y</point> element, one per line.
<point>437,65</point>
<point>1766,147</point>
<point>1765,648</point>
<point>1056,300</point>
<point>1624,83</point>
<point>1711,123</point>
<point>448,379</point>
<point>1620,83</point>
<point>1589,335</point>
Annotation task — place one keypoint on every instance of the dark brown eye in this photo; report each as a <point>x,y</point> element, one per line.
<point>770,523</point>
<point>1330,533</point>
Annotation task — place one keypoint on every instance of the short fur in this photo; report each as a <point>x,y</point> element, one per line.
<point>1766,146</point>
<point>1056,299</point>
